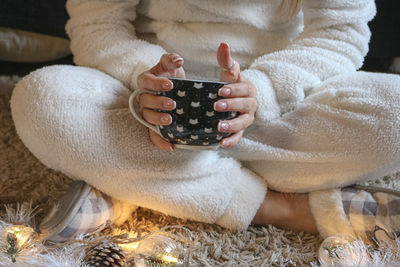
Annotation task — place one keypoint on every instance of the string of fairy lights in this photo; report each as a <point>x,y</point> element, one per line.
<point>163,248</point>
<point>157,248</point>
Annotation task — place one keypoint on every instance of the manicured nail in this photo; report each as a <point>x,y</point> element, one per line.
<point>223,126</point>
<point>220,105</point>
<point>165,119</point>
<point>171,148</point>
<point>166,85</point>
<point>176,59</point>
<point>169,104</point>
<point>225,143</point>
<point>224,44</point>
<point>224,91</point>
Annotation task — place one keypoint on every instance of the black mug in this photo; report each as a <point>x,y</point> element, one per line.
<point>194,120</point>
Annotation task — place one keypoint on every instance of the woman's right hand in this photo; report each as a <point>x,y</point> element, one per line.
<point>170,65</point>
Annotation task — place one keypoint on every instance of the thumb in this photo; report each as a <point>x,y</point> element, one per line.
<point>230,69</point>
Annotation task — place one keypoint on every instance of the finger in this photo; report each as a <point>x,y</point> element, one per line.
<point>161,143</point>
<point>229,68</point>
<point>151,101</point>
<point>235,125</point>
<point>224,56</point>
<point>242,105</point>
<point>232,140</point>
<point>156,118</point>
<point>169,65</point>
<point>238,90</point>
<point>150,81</point>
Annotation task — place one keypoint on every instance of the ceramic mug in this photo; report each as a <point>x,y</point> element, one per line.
<point>194,120</point>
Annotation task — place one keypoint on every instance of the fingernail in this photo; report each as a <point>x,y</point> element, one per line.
<point>176,59</point>
<point>165,119</point>
<point>223,126</point>
<point>224,91</point>
<point>220,105</point>
<point>224,44</point>
<point>166,85</point>
<point>169,103</point>
<point>171,148</point>
<point>225,143</point>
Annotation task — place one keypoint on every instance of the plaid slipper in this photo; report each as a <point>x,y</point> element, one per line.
<point>83,210</point>
<point>374,213</point>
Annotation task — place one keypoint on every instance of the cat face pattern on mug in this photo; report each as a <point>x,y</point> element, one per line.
<point>194,121</point>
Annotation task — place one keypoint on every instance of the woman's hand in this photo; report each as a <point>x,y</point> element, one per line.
<point>170,65</point>
<point>241,97</point>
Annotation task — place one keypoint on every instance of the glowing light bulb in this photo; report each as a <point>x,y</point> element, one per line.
<point>21,233</point>
<point>158,249</point>
<point>342,250</point>
<point>18,238</point>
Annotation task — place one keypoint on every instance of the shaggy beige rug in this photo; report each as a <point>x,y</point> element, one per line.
<point>23,179</point>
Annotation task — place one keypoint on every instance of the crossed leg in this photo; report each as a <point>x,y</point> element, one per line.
<point>76,120</point>
<point>347,130</point>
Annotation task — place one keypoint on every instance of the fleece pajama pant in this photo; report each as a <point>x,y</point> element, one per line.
<point>76,120</point>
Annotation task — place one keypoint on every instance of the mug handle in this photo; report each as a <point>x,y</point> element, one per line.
<point>132,98</point>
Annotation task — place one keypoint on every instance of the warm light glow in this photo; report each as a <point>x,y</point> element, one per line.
<point>21,233</point>
<point>169,259</point>
<point>130,246</point>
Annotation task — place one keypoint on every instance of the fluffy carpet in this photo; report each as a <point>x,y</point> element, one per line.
<point>24,179</point>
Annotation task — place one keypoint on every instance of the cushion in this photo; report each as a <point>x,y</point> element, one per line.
<point>24,46</point>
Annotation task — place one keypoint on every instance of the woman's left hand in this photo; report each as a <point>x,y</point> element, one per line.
<point>240,96</point>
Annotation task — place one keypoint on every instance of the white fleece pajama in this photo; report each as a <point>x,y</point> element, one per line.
<point>320,124</point>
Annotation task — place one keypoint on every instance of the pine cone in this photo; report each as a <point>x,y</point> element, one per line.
<point>105,254</point>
